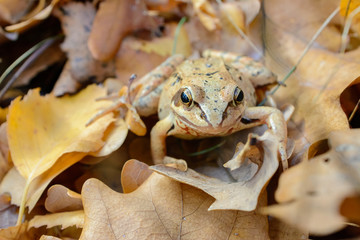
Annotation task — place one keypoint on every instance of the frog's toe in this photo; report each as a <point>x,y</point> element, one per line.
<point>177,163</point>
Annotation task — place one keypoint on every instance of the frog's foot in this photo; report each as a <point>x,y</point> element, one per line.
<point>240,153</point>
<point>177,163</point>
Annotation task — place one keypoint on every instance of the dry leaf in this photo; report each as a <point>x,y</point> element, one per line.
<point>207,14</point>
<point>61,199</point>
<point>46,237</point>
<point>114,137</point>
<point>127,60</point>
<point>134,173</point>
<point>163,46</point>
<point>66,83</point>
<point>114,20</point>
<point>315,87</point>
<point>41,129</point>
<point>76,19</point>
<point>8,214</point>
<point>45,13</point>
<point>163,209</point>
<point>355,24</point>
<point>63,219</point>
<point>310,194</point>
<point>47,135</point>
<point>50,56</point>
<point>227,194</point>
<point>11,11</point>
<point>306,18</point>
<point>281,231</point>
<point>16,232</point>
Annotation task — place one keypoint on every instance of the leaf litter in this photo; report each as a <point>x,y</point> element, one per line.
<point>175,203</point>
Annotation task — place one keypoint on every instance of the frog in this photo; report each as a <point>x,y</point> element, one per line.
<point>212,96</point>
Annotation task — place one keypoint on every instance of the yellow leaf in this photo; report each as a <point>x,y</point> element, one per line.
<point>163,46</point>
<point>43,129</point>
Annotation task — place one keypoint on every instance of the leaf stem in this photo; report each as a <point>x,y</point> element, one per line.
<point>23,202</point>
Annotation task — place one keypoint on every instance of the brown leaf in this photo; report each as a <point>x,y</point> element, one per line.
<point>66,83</point>
<point>227,194</point>
<point>16,232</point>
<point>133,174</point>
<point>12,11</point>
<point>310,194</point>
<point>50,56</point>
<point>61,199</point>
<point>21,26</point>
<point>114,20</point>
<point>76,19</point>
<point>163,209</point>
<point>128,57</point>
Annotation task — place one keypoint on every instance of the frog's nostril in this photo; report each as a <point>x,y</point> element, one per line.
<point>203,116</point>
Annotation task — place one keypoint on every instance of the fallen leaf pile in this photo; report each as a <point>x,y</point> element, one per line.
<point>75,154</point>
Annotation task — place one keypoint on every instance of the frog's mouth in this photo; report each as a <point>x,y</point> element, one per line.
<point>217,130</point>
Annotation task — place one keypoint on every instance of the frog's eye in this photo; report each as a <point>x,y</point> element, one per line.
<point>186,97</point>
<point>238,96</point>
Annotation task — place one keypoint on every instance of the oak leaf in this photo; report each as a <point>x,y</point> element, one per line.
<point>163,209</point>
<point>310,194</point>
<point>61,199</point>
<point>242,195</point>
<point>63,219</point>
<point>134,173</point>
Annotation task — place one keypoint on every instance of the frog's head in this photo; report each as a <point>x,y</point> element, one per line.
<point>210,97</point>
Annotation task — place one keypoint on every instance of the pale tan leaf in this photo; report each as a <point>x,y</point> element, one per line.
<point>227,194</point>
<point>163,209</point>
<point>310,194</point>
<point>63,219</point>
<point>133,174</point>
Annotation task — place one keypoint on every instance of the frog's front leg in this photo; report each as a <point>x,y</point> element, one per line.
<point>158,138</point>
<point>145,92</point>
<point>274,119</point>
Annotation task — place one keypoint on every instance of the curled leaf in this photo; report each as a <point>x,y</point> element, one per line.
<point>242,195</point>
<point>310,194</point>
<point>61,199</point>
